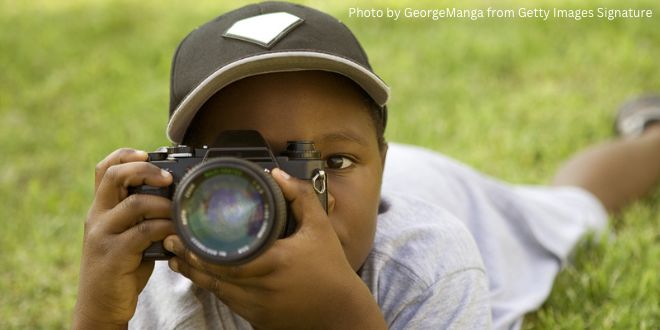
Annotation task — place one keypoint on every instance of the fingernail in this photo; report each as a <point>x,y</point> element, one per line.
<point>142,154</point>
<point>164,173</point>
<point>283,175</point>
<point>174,265</point>
<point>169,245</point>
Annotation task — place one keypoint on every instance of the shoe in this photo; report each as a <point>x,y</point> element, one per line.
<point>635,115</point>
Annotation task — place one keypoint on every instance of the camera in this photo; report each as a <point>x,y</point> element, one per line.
<point>226,206</point>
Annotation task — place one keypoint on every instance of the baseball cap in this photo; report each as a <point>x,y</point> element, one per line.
<point>263,38</point>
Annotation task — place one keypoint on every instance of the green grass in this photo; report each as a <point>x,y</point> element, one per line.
<point>513,98</point>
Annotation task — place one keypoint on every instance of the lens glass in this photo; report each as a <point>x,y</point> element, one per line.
<point>225,211</point>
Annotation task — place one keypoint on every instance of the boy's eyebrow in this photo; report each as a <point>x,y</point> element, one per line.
<point>342,136</point>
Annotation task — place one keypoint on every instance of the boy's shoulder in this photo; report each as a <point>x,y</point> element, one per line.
<point>425,268</point>
<point>422,237</point>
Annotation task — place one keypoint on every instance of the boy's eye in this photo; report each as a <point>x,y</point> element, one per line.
<point>338,162</point>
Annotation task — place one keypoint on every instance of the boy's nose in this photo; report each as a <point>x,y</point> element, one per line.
<point>331,203</point>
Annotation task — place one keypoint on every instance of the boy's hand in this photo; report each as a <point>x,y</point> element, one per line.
<point>118,228</point>
<point>301,281</point>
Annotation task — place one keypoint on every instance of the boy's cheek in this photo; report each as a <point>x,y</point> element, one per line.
<point>360,190</point>
<point>344,211</point>
<point>354,218</point>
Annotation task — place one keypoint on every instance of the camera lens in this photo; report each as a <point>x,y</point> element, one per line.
<point>228,210</point>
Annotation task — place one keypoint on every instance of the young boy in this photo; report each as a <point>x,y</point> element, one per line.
<point>437,245</point>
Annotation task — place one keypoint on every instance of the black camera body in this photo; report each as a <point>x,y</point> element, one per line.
<point>226,207</point>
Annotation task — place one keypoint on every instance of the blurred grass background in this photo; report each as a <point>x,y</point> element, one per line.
<point>513,98</point>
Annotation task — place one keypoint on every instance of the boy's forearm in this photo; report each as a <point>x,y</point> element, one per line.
<point>81,321</point>
<point>356,309</point>
<point>365,315</point>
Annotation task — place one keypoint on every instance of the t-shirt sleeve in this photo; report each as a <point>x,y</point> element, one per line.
<point>459,301</point>
<point>425,270</point>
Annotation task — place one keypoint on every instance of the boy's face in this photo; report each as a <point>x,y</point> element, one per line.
<point>322,107</point>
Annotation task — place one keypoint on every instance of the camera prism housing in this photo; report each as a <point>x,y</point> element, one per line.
<point>225,205</point>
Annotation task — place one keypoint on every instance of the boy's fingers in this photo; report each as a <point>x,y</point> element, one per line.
<point>253,268</point>
<point>304,201</point>
<point>226,291</point>
<point>136,208</point>
<point>143,234</point>
<point>119,156</point>
<point>114,184</point>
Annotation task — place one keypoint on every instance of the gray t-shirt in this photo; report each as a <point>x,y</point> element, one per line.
<point>524,233</point>
<point>424,271</point>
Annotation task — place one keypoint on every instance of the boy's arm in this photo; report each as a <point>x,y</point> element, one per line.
<point>301,281</point>
<point>117,230</point>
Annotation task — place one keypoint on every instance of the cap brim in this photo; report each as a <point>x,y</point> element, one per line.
<point>269,63</point>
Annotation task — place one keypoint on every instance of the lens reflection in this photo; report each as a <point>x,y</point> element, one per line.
<point>225,212</point>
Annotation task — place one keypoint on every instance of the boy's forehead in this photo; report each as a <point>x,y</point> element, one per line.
<point>316,83</point>
<point>291,105</point>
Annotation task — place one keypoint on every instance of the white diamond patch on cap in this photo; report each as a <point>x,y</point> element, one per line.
<point>264,30</point>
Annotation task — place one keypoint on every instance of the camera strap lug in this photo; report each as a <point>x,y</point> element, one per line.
<point>319,181</point>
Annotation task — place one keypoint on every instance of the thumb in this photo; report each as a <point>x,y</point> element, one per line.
<point>305,205</point>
